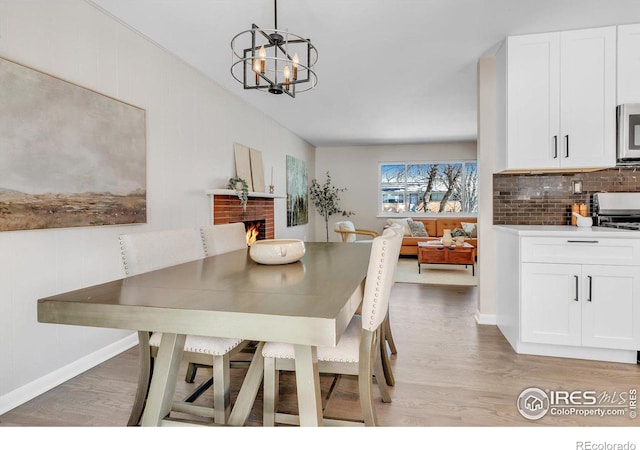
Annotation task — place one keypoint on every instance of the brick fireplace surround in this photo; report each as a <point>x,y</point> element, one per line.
<point>227,209</point>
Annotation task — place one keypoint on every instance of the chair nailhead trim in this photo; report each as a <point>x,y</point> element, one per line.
<point>376,295</point>
<point>124,257</point>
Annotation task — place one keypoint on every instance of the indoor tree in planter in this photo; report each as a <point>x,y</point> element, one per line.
<point>326,200</point>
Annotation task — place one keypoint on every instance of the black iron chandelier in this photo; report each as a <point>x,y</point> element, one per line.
<point>273,60</point>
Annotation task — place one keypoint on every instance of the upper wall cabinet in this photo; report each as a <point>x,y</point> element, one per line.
<point>557,93</point>
<point>628,64</point>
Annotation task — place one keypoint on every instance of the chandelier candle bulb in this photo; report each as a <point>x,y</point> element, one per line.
<point>263,62</point>
<point>295,66</point>
<point>287,77</point>
<point>256,69</point>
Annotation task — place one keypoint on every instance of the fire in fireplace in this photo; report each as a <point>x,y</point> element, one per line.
<point>255,231</point>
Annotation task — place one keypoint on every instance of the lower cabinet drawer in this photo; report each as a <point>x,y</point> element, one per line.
<point>581,250</point>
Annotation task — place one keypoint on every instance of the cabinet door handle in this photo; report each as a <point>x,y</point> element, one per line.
<point>573,241</point>
<point>555,146</point>
<point>566,147</point>
<point>590,282</point>
<point>576,278</point>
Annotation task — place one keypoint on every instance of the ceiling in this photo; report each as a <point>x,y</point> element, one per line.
<point>389,71</point>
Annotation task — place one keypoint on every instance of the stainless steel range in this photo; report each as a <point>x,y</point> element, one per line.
<point>617,210</point>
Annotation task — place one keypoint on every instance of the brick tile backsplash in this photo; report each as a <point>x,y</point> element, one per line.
<point>546,199</point>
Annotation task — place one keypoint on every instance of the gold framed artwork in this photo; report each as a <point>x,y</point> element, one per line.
<point>69,156</point>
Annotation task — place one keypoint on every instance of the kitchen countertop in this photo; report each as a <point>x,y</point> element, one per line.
<point>567,230</point>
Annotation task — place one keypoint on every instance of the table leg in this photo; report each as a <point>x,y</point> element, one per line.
<point>308,386</point>
<point>249,389</point>
<point>143,378</point>
<point>163,381</point>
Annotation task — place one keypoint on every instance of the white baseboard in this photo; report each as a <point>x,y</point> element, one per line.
<point>566,351</point>
<point>485,319</point>
<point>31,390</point>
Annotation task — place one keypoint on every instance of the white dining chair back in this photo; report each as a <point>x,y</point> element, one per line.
<point>386,336</point>
<point>349,233</point>
<point>146,251</point>
<point>223,238</point>
<point>357,352</point>
<point>385,252</point>
<point>346,225</point>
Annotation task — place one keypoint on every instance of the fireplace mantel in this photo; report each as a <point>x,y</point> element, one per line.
<point>232,192</point>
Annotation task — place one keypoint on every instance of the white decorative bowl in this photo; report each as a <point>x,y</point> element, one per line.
<point>277,251</point>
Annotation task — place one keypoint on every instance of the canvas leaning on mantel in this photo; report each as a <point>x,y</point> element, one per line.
<point>243,163</point>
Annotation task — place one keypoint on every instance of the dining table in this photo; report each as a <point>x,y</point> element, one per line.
<point>307,303</point>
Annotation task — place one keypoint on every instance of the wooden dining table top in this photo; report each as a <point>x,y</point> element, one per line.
<point>228,295</point>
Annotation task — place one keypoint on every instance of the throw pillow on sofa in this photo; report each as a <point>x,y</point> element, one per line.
<point>418,229</point>
<point>471,228</point>
<point>457,232</point>
<point>404,223</point>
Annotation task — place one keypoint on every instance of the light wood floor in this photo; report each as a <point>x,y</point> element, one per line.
<point>449,372</point>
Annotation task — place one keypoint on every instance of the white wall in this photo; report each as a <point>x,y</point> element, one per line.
<point>356,168</point>
<point>191,126</point>
<point>486,166</point>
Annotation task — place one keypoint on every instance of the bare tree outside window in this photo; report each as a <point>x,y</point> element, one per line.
<point>429,188</point>
<point>450,177</point>
<point>425,176</point>
<point>470,188</point>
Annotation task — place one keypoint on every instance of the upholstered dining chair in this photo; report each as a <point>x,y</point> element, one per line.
<point>223,238</point>
<point>357,352</point>
<point>146,251</point>
<point>349,233</point>
<point>216,240</point>
<point>386,337</point>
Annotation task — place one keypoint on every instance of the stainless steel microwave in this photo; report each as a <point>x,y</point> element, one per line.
<point>628,124</point>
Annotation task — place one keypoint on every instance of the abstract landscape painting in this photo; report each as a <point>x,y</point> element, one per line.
<point>297,192</point>
<point>69,156</point>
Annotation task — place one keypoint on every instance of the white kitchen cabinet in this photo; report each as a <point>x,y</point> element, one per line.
<point>628,64</point>
<point>550,306</point>
<point>559,107</point>
<point>569,292</point>
<point>583,305</point>
<point>610,300</point>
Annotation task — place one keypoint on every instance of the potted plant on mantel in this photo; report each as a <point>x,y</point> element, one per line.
<point>242,190</point>
<point>326,200</point>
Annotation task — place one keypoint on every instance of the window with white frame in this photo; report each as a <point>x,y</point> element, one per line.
<point>429,187</point>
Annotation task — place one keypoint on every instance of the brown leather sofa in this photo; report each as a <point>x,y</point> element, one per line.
<point>435,227</point>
